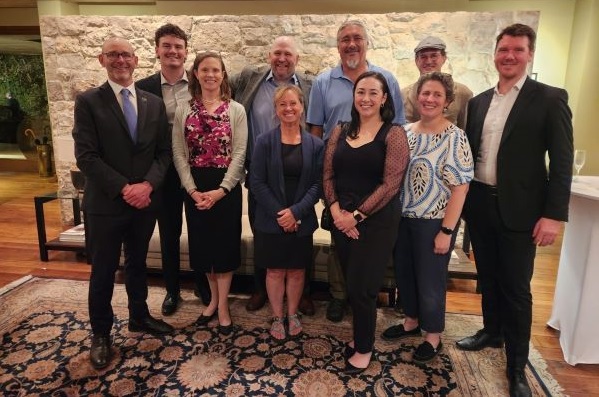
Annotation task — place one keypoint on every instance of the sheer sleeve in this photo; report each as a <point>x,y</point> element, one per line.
<point>397,157</point>
<point>328,176</point>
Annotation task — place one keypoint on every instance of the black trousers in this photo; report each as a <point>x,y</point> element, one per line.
<point>365,261</point>
<point>170,224</point>
<point>132,229</point>
<point>505,264</point>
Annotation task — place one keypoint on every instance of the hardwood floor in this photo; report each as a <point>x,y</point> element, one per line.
<point>19,256</point>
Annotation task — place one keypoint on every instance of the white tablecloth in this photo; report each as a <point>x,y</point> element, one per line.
<point>576,302</point>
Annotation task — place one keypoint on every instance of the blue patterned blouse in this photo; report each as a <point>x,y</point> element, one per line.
<point>437,162</point>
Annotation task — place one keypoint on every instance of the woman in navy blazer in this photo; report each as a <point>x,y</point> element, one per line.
<point>286,180</point>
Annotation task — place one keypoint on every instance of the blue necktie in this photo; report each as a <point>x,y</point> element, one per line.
<point>130,114</point>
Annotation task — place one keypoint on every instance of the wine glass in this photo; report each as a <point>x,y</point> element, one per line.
<point>579,159</point>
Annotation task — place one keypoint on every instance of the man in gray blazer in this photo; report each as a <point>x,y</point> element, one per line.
<point>123,148</point>
<point>515,202</point>
<point>254,88</point>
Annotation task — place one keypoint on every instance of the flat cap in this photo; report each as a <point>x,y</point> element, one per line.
<point>432,42</point>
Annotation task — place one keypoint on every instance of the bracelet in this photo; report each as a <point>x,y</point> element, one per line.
<point>446,230</point>
<point>225,190</point>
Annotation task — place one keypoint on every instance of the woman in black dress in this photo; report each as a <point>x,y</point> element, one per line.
<point>364,165</point>
<point>285,175</point>
<point>209,141</point>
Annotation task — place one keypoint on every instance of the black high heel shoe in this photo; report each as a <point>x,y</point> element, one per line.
<point>351,369</point>
<point>204,320</point>
<point>226,329</point>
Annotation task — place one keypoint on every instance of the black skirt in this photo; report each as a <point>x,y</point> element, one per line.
<point>282,251</point>
<point>214,234</point>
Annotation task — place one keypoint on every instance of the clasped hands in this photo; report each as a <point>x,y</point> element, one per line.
<point>206,200</point>
<point>287,221</point>
<point>346,223</point>
<point>137,195</point>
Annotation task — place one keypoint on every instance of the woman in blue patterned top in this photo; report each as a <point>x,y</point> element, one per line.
<point>433,194</point>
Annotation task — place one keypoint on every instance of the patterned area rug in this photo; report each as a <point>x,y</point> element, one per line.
<point>45,345</point>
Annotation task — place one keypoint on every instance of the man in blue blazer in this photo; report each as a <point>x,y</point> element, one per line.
<point>170,84</point>
<point>254,88</point>
<point>123,148</point>
<point>515,203</point>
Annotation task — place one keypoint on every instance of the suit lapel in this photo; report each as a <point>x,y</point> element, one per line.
<point>525,96</point>
<point>157,85</point>
<point>111,102</point>
<point>142,111</point>
<point>479,117</point>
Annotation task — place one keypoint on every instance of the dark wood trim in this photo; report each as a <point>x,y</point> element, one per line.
<point>20,30</point>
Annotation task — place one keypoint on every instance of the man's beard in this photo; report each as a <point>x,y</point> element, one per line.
<point>353,63</point>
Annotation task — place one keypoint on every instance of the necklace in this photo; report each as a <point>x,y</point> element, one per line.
<point>210,101</point>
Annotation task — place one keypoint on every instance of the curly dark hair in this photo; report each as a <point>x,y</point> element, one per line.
<point>519,29</point>
<point>445,79</point>
<point>387,111</point>
<point>194,85</point>
<point>170,30</point>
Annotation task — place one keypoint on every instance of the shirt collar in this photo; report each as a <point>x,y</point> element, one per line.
<point>337,71</point>
<point>517,86</point>
<point>271,77</point>
<point>182,78</point>
<point>117,88</point>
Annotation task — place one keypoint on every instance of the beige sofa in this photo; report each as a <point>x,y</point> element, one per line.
<point>459,267</point>
<point>322,239</point>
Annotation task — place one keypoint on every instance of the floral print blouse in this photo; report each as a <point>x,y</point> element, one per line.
<point>208,136</point>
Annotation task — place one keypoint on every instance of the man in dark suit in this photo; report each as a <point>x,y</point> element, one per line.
<point>254,88</point>
<point>170,84</point>
<point>123,148</point>
<point>515,202</point>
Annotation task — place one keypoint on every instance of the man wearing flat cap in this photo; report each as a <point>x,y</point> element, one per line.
<point>430,56</point>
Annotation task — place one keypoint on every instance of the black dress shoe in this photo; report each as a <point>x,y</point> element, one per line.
<point>150,325</point>
<point>398,331</point>
<point>204,320</point>
<point>479,341</point>
<point>518,384</point>
<point>100,351</point>
<point>170,304</point>
<point>335,310</point>
<point>426,352</point>
<point>352,370</point>
<point>256,301</point>
<point>306,306</point>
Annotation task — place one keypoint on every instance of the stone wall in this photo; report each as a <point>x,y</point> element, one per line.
<point>71,45</point>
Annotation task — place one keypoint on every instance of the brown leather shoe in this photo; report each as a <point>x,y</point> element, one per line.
<point>306,306</point>
<point>256,301</point>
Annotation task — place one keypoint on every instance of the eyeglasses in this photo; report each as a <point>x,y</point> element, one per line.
<point>113,55</point>
<point>349,39</point>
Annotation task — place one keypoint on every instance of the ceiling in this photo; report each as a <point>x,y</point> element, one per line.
<point>16,39</point>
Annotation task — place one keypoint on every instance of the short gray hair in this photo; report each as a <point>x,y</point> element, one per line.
<point>353,22</point>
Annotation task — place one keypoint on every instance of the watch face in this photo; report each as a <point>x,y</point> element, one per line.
<point>358,217</point>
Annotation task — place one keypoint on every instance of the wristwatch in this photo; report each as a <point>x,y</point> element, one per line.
<point>358,217</point>
<point>446,230</point>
